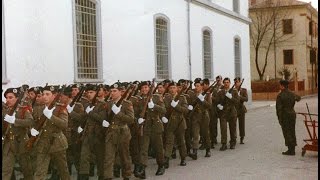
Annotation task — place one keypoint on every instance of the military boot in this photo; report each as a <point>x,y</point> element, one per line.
<point>241,140</point>
<point>290,151</point>
<point>91,171</point>
<point>160,170</point>
<point>194,154</point>
<point>212,145</point>
<point>136,170</point>
<point>208,153</point>
<point>223,147</point>
<point>183,162</point>
<point>232,146</point>
<point>142,172</point>
<point>116,171</point>
<point>166,162</point>
<point>174,155</point>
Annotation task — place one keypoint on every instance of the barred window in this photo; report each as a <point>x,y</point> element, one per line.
<point>288,56</point>
<point>207,58</point>
<point>236,6</point>
<point>287,26</point>
<point>237,58</point>
<point>88,49</point>
<point>162,49</point>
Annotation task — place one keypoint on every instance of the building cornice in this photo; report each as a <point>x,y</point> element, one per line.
<point>221,10</point>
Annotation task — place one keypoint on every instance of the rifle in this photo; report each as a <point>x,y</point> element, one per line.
<point>42,121</point>
<point>77,97</point>
<point>135,87</point>
<point>170,110</point>
<point>229,91</point>
<point>240,85</point>
<point>144,110</point>
<point>155,89</point>
<point>189,87</point>
<point>6,125</point>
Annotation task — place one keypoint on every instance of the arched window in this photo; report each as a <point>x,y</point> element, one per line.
<point>162,48</point>
<point>237,57</point>
<point>87,28</point>
<point>207,54</point>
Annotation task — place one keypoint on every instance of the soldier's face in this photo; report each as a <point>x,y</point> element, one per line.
<point>226,84</point>
<point>218,81</point>
<point>32,95</point>
<point>173,89</point>
<point>115,93</point>
<point>161,89</point>
<point>74,92</point>
<point>48,97</point>
<point>101,93</point>
<point>179,88</point>
<point>145,89</point>
<point>106,93</point>
<point>64,99</point>
<point>205,86</point>
<point>39,99</point>
<point>237,83</point>
<point>91,94</point>
<point>11,99</point>
<point>198,87</point>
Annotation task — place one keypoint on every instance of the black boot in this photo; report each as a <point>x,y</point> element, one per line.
<point>142,172</point>
<point>183,162</point>
<point>290,151</point>
<point>194,154</point>
<point>174,155</point>
<point>83,176</point>
<point>223,147</point>
<point>166,162</point>
<point>241,140</point>
<point>136,170</point>
<point>160,170</point>
<point>116,171</point>
<point>208,153</point>
<point>91,171</point>
<point>212,145</point>
<point>232,146</point>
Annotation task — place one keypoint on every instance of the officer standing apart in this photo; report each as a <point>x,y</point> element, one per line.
<point>241,108</point>
<point>287,116</point>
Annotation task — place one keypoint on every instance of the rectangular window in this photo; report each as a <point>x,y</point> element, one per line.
<point>310,28</point>
<point>287,26</point>
<point>207,54</point>
<point>162,49</point>
<point>236,6</point>
<point>87,41</point>
<point>288,56</point>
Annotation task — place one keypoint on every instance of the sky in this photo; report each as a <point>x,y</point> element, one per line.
<point>314,3</point>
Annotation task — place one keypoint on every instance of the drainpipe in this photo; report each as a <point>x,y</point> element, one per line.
<point>189,43</point>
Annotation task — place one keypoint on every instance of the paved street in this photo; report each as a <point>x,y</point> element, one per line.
<point>259,158</point>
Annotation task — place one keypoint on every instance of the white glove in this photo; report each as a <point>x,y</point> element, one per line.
<point>201,97</point>
<point>10,119</point>
<point>141,120</point>
<point>69,108</point>
<point>220,106</point>
<point>174,103</point>
<point>34,132</point>
<point>116,109</point>
<point>47,112</point>
<point>105,123</point>
<point>88,109</point>
<point>150,104</point>
<point>80,129</point>
<point>164,120</point>
<point>229,95</point>
<point>190,107</point>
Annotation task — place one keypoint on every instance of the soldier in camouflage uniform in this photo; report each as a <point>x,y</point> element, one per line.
<point>118,134</point>
<point>177,125</point>
<point>14,142</point>
<point>152,128</point>
<point>227,100</point>
<point>92,133</point>
<point>287,116</point>
<point>200,118</point>
<point>241,108</point>
<point>51,143</point>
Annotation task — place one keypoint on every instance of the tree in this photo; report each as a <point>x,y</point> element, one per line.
<point>266,30</point>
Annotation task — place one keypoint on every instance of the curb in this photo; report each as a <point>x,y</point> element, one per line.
<point>309,96</point>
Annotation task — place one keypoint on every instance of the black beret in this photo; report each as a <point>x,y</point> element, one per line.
<point>38,90</point>
<point>161,83</point>
<point>116,85</point>
<point>25,87</point>
<point>284,82</point>
<point>75,85</point>
<point>91,87</point>
<point>106,87</point>
<point>226,79</point>
<point>31,89</point>
<point>124,85</point>
<point>181,81</point>
<point>52,88</point>
<point>237,79</point>
<point>136,82</point>
<point>67,91</point>
<point>172,83</point>
<point>166,81</point>
<point>198,80</point>
<point>15,91</point>
<point>144,83</point>
<point>206,81</point>
<point>219,76</point>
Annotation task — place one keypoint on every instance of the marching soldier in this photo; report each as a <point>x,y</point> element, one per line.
<point>214,115</point>
<point>200,118</point>
<point>177,125</point>
<point>227,99</point>
<point>118,134</point>
<point>152,128</point>
<point>287,116</point>
<point>241,108</point>
<point>15,136</point>
<point>51,143</point>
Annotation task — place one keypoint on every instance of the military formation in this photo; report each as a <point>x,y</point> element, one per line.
<point>117,127</point>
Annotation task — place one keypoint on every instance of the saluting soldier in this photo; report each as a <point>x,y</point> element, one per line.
<point>118,134</point>
<point>241,108</point>
<point>51,143</point>
<point>177,124</point>
<point>152,128</point>
<point>227,100</point>
<point>14,142</point>
<point>286,100</point>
